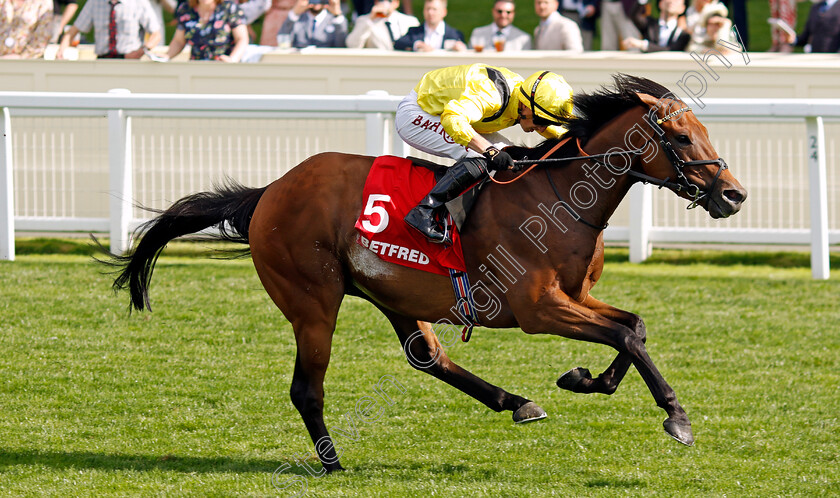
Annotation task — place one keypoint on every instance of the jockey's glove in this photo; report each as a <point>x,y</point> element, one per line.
<point>498,159</point>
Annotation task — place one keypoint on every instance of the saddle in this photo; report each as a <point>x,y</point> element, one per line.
<point>393,187</point>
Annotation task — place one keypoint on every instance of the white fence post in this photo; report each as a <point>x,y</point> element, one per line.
<point>120,174</point>
<point>376,137</point>
<point>7,188</point>
<point>641,220</point>
<point>818,198</point>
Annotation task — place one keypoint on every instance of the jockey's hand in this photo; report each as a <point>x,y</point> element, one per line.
<point>497,159</point>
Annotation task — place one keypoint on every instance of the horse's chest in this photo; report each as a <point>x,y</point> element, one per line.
<point>592,272</point>
<point>578,279</point>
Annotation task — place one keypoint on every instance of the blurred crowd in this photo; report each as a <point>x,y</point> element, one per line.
<point>222,29</point>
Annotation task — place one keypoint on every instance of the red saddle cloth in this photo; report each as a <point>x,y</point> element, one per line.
<point>393,187</point>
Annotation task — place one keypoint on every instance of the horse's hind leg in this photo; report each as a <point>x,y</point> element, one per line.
<point>579,379</point>
<point>425,353</point>
<point>307,390</point>
<point>311,305</point>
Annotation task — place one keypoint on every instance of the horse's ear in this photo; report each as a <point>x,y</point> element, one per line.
<point>648,99</point>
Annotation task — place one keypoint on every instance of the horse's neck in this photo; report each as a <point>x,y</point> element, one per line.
<point>610,182</point>
<point>578,179</point>
<point>588,188</point>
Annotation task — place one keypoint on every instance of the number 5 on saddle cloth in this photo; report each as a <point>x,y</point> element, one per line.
<point>393,187</point>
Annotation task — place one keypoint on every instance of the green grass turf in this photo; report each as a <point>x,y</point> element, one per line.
<point>193,398</point>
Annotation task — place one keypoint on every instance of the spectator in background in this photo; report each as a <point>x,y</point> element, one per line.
<point>364,7</point>
<point>822,29</point>
<point>434,34</point>
<point>253,9</point>
<point>617,23</point>
<point>64,11</point>
<point>667,32</point>
<point>159,6</point>
<point>692,19</point>
<point>692,13</point>
<point>215,30</point>
<point>407,8</point>
<point>318,23</point>
<point>119,28</point>
<point>584,13</point>
<point>25,28</point>
<point>382,27</point>
<point>786,11</point>
<point>715,26</point>
<point>738,9</point>
<point>555,32</point>
<point>274,18</point>
<point>501,31</point>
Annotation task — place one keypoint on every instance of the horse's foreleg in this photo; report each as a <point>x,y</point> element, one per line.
<point>425,353</point>
<point>568,318</point>
<point>579,379</point>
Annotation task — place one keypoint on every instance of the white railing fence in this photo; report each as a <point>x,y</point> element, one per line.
<point>120,107</point>
<point>178,158</point>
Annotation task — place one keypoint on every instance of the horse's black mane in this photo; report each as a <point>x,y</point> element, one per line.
<point>594,110</point>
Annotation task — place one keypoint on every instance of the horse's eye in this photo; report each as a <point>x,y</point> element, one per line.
<point>683,140</point>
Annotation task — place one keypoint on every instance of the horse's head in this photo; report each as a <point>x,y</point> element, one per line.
<point>685,160</point>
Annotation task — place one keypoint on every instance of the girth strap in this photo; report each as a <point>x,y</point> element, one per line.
<point>464,302</point>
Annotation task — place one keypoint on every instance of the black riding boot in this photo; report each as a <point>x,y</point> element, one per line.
<point>457,178</point>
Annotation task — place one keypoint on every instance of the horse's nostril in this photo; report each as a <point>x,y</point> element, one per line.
<point>735,196</point>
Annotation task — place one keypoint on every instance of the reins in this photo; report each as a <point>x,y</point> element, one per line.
<point>535,162</point>
<point>544,159</point>
<point>692,190</point>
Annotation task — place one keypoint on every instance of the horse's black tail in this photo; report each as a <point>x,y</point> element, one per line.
<point>228,207</point>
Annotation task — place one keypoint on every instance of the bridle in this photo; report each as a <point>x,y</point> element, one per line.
<point>681,183</point>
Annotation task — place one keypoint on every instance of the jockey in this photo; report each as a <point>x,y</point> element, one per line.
<point>457,111</point>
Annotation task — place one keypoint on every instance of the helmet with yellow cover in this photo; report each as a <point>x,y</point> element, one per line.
<point>548,96</point>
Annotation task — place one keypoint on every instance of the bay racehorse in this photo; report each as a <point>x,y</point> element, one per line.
<point>549,223</point>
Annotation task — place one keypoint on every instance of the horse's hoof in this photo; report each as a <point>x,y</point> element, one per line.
<point>334,468</point>
<point>681,431</point>
<point>571,380</point>
<point>529,412</point>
